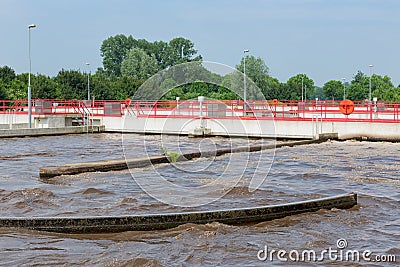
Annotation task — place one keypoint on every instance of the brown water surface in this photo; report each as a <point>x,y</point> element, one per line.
<point>298,173</point>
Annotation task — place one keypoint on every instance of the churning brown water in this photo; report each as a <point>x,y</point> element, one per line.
<point>298,173</point>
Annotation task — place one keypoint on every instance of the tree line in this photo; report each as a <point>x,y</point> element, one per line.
<point>129,62</point>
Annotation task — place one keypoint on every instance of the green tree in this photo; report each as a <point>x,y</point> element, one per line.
<point>256,71</point>
<point>381,82</point>
<point>359,78</point>
<point>7,74</point>
<point>71,84</point>
<point>169,86</point>
<point>114,50</point>
<point>298,84</point>
<point>113,88</point>
<point>359,87</point>
<point>383,88</point>
<point>179,50</point>
<point>195,89</point>
<point>333,90</point>
<point>101,87</point>
<point>124,87</point>
<point>44,87</point>
<point>275,90</point>
<point>3,90</point>
<point>138,64</point>
<point>223,93</point>
<point>16,89</point>
<point>156,49</point>
<point>319,93</point>
<point>356,91</point>
<point>388,95</point>
<point>23,77</point>
<point>234,83</point>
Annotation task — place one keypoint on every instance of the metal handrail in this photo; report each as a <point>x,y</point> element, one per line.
<point>225,109</point>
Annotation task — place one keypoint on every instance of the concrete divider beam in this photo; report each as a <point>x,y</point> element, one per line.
<point>121,164</point>
<point>166,221</point>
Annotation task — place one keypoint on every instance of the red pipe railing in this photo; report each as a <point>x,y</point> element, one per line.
<point>328,110</point>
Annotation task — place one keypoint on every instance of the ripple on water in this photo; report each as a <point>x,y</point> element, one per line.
<point>298,173</point>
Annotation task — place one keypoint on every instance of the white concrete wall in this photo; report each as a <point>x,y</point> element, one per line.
<point>51,121</point>
<point>260,128</point>
<point>367,129</point>
<point>13,126</point>
<point>12,118</point>
<point>257,128</point>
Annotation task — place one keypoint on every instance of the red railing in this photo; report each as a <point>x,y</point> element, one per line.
<point>63,107</point>
<point>327,110</point>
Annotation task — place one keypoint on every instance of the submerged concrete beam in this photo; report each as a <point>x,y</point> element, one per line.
<point>50,131</point>
<point>100,166</point>
<point>121,164</point>
<point>165,221</point>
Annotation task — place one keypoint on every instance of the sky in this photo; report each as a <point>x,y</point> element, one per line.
<point>325,39</point>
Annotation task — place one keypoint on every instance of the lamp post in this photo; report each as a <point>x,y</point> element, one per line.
<point>305,92</point>
<point>302,88</point>
<point>201,100</point>
<point>88,82</point>
<point>370,76</point>
<point>244,80</point>
<point>177,103</point>
<point>344,88</point>
<point>30,26</point>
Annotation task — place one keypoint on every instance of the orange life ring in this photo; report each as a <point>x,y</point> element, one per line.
<point>128,101</point>
<point>275,101</point>
<point>346,107</point>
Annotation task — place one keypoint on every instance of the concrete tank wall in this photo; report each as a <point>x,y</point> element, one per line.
<point>12,118</point>
<point>256,128</point>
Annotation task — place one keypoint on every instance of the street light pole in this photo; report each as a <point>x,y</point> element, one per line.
<point>244,80</point>
<point>370,76</point>
<point>88,82</point>
<point>344,88</point>
<point>30,26</point>
<point>302,86</point>
<point>305,92</point>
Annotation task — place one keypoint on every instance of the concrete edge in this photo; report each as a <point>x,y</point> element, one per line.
<point>122,164</point>
<point>152,222</point>
<point>33,132</point>
<point>370,138</point>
